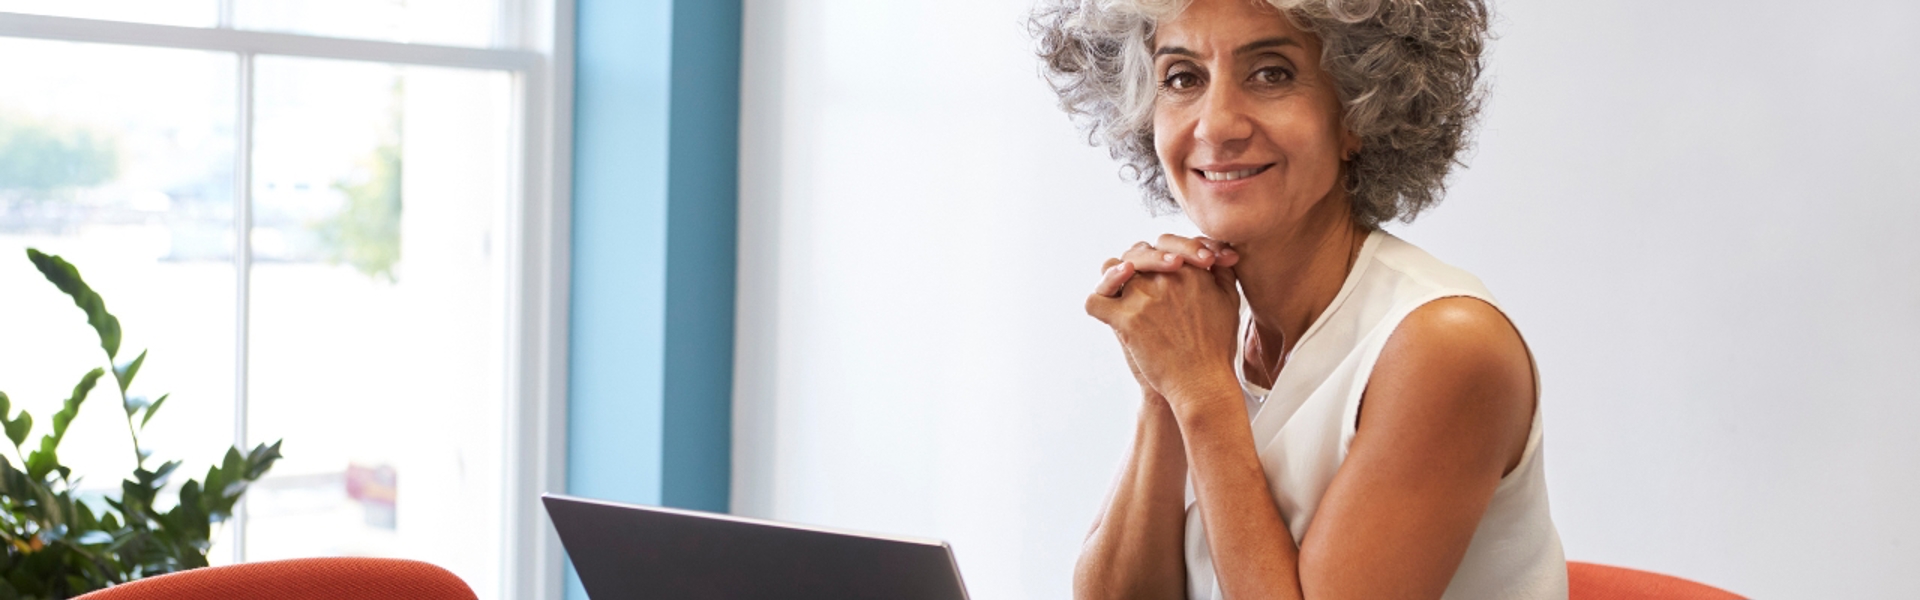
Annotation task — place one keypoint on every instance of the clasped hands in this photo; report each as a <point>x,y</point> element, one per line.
<point>1175,306</point>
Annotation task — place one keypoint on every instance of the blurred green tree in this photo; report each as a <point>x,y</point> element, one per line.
<point>41,156</point>
<point>366,231</point>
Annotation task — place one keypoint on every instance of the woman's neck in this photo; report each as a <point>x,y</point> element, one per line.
<point>1291,278</point>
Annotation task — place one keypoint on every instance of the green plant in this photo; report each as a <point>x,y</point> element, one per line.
<point>57,545</point>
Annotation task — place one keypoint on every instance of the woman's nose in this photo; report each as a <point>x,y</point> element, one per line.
<point>1223,117</point>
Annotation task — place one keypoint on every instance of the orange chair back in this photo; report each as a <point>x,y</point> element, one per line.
<point>299,579</point>
<point>1588,581</point>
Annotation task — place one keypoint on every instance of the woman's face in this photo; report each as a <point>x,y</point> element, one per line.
<point>1247,125</point>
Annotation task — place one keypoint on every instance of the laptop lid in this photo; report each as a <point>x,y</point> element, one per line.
<point>628,551</point>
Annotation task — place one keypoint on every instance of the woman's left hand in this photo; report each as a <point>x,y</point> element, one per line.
<point>1178,327</point>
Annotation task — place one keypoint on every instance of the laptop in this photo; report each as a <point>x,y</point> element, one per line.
<point>626,551</point>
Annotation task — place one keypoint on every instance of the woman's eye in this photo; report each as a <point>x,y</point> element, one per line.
<point>1180,81</point>
<point>1272,75</point>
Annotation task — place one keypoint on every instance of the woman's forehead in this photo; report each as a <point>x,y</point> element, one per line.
<point>1206,26</point>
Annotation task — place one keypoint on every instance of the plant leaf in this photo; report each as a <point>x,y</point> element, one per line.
<point>191,502</point>
<point>72,406</point>
<point>160,475</point>
<point>83,517</point>
<point>134,498</point>
<point>67,278</point>
<point>215,480</point>
<point>42,461</point>
<point>13,482</point>
<point>153,408</point>
<point>233,464</point>
<point>133,404</point>
<point>124,372</point>
<point>262,459</point>
<point>18,429</point>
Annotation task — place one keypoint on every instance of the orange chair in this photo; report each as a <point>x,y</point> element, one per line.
<point>299,579</point>
<point>1588,581</point>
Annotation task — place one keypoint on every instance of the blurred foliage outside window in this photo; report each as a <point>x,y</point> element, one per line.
<point>366,231</point>
<point>43,159</point>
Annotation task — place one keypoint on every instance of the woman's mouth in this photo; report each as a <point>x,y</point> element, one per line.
<point>1230,174</point>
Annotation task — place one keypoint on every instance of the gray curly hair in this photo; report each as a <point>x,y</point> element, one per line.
<point>1406,71</point>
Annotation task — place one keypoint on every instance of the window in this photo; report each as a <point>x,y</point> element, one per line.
<point>331,223</point>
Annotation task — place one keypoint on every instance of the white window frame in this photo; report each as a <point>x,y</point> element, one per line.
<point>538,239</point>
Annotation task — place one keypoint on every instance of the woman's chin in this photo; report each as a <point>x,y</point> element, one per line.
<point>1232,229</point>
<point>1232,218</point>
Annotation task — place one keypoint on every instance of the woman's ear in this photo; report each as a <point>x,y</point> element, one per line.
<point>1349,144</point>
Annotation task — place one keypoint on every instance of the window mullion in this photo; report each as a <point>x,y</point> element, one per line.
<point>243,271</point>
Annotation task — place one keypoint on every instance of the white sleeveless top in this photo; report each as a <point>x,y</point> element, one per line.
<point>1304,425</point>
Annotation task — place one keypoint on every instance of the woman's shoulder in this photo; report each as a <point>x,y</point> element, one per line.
<point>1400,259</point>
<point>1445,310</point>
<point>1448,320</point>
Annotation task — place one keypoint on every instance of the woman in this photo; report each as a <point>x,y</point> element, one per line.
<point>1397,454</point>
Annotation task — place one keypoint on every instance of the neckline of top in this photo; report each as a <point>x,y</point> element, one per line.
<point>1360,264</point>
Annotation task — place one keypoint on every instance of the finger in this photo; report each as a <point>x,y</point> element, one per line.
<point>1102,307</point>
<point>1223,253</point>
<point>1192,250</point>
<point>1114,278</point>
<point>1148,259</point>
<point>1226,279</point>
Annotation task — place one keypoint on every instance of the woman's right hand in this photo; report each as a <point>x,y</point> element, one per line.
<point>1171,253</point>
<point>1168,254</point>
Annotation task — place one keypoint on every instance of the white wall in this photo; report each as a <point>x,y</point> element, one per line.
<point>1701,214</point>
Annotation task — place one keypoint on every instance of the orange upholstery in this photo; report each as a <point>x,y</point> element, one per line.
<point>1588,581</point>
<point>299,579</point>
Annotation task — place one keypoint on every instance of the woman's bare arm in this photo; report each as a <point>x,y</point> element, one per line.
<point>1445,416</point>
<point>1135,549</point>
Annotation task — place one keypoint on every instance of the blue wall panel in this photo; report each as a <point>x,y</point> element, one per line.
<point>702,180</point>
<point>618,310</point>
<point>656,130</point>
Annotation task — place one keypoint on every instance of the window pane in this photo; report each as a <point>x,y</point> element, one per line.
<point>377,323</point>
<point>139,196</point>
<point>186,13</point>
<point>446,22</point>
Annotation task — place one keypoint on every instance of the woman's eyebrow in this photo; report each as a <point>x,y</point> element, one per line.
<point>1272,42</point>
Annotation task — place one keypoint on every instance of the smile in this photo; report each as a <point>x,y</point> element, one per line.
<point>1232,175</point>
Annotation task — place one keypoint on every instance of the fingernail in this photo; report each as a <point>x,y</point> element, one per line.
<point>1169,257</point>
<point>1204,254</point>
<point>1228,252</point>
